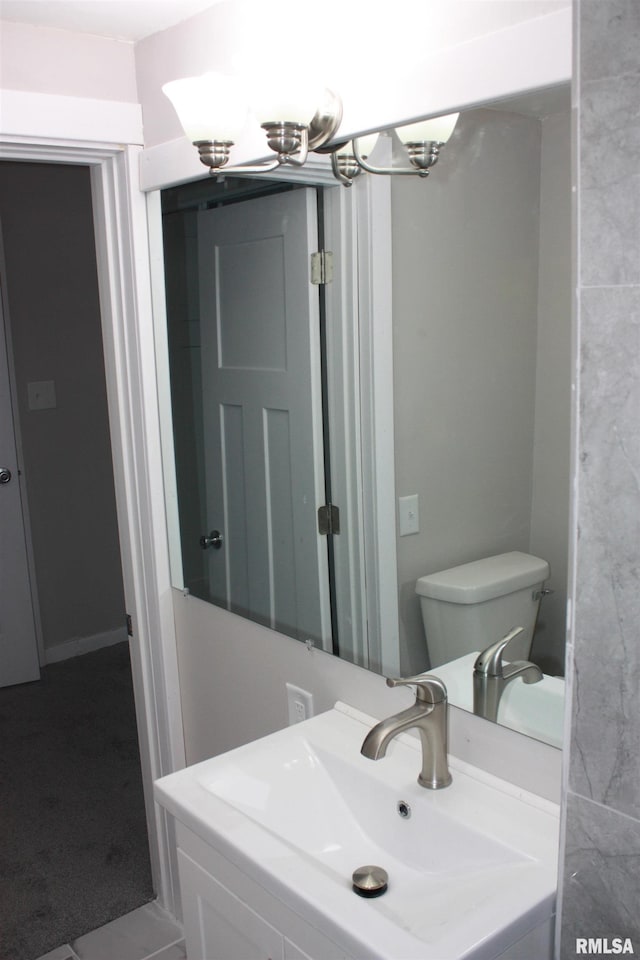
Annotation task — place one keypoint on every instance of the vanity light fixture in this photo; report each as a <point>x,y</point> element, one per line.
<point>422,142</point>
<point>213,112</point>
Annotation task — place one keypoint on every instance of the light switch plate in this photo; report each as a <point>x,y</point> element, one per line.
<point>41,394</point>
<point>409,515</point>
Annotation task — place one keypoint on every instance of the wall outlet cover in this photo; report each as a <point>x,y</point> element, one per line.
<point>300,703</point>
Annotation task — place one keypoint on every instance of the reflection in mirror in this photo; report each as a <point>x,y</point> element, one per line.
<point>482,369</point>
<point>482,308</point>
<point>481,326</point>
<point>244,347</point>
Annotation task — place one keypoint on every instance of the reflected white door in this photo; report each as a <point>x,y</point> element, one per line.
<point>19,660</point>
<point>259,316</point>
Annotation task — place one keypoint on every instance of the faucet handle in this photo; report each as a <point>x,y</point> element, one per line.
<point>489,662</point>
<point>429,689</point>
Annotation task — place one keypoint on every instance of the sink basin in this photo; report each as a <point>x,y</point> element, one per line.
<point>342,815</point>
<point>535,709</point>
<point>471,869</point>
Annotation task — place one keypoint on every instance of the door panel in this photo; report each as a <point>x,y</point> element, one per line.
<point>19,662</point>
<point>262,417</point>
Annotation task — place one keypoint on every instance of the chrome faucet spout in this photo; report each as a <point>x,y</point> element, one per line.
<point>379,737</point>
<point>429,716</point>
<point>491,676</point>
<point>530,672</point>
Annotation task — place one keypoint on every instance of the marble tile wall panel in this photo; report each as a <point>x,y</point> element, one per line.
<point>602,875</point>
<point>609,202</point>
<point>605,752</point>
<point>609,38</point>
<point>600,882</point>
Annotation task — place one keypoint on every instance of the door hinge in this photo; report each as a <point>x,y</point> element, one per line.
<point>129,625</point>
<point>322,267</point>
<point>328,519</point>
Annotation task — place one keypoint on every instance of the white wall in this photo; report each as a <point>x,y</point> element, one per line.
<point>40,59</point>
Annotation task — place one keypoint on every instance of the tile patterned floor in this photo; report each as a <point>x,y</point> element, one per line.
<point>144,934</point>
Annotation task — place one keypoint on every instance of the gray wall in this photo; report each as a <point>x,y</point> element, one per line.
<point>552,428</point>
<point>601,885</point>
<point>47,226</point>
<point>477,319</point>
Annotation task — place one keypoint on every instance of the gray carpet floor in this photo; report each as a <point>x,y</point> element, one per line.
<point>73,838</point>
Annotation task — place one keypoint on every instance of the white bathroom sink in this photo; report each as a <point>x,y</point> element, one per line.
<point>471,870</point>
<point>535,709</point>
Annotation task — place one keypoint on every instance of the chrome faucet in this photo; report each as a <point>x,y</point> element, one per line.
<point>429,716</point>
<point>491,676</point>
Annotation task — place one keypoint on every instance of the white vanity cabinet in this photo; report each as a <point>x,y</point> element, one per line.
<point>268,836</point>
<point>227,916</point>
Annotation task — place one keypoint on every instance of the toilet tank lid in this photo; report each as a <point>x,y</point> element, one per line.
<point>484,579</point>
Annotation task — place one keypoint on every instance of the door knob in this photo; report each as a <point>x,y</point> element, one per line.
<point>213,540</point>
<point>5,475</point>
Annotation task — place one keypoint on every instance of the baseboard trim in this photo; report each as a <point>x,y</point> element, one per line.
<point>80,645</point>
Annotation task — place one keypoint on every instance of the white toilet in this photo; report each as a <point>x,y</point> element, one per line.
<point>469,607</point>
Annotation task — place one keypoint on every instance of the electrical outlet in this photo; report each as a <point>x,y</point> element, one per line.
<point>300,704</point>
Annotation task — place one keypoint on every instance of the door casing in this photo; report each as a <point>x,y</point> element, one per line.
<point>122,248</point>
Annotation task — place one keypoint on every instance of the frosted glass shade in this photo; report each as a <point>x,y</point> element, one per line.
<point>365,145</point>
<point>290,100</point>
<point>209,107</point>
<point>438,129</point>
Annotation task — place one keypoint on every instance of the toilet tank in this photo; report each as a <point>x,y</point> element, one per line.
<point>466,608</point>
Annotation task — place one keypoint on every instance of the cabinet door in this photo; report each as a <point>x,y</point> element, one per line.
<point>219,926</point>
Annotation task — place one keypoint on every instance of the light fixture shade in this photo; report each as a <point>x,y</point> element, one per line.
<point>365,146</point>
<point>437,130</point>
<point>290,100</point>
<point>209,107</point>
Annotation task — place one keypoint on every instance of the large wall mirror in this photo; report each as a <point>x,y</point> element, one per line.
<point>268,380</point>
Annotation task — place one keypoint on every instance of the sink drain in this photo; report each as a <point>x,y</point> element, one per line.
<point>370,881</point>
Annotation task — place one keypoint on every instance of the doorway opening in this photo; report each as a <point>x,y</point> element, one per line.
<point>74,570</point>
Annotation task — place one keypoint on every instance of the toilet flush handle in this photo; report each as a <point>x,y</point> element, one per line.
<point>539,594</point>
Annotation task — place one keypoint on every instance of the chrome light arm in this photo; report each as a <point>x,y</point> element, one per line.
<point>422,156</point>
<point>344,169</point>
<point>289,141</point>
<point>215,155</point>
